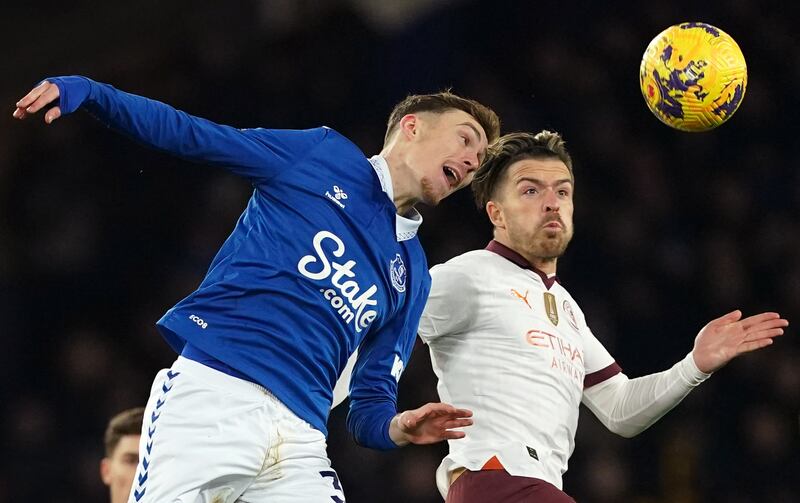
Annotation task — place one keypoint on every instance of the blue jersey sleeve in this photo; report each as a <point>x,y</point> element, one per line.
<point>373,388</point>
<point>258,154</point>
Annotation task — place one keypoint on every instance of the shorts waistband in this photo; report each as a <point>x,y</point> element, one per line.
<point>195,355</point>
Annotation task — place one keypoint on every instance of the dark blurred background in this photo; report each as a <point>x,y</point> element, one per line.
<point>98,236</point>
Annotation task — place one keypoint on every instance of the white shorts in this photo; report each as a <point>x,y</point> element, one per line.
<point>210,437</point>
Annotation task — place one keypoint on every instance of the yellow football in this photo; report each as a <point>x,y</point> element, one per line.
<point>693,76</point>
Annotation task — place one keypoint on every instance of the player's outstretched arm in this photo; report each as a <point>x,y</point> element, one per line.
<point>431,423</point>
<point>729,336</point>
<point>258,154</point>
<point>629,406</point>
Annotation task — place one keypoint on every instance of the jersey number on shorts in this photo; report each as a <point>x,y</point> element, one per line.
<point>336,484</point>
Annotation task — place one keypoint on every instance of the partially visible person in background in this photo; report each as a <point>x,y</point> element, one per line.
<point>118,467</point>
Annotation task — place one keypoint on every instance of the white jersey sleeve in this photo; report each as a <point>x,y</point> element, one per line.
<point>599,364</point>
<point>451,303</point>
<point>627,407</point>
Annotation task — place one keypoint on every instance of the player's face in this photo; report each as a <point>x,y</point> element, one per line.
<point>536,207</point>
<point>118,470</point>
<point>446,150</point>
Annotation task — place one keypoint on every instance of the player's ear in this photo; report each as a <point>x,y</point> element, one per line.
<point>495,213</point>
<point>409,126</point>
<point>105,471</point>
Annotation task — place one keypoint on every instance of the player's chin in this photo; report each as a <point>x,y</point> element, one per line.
<point>433,198</point>
<point>550,248</point>
<point>556,241</point>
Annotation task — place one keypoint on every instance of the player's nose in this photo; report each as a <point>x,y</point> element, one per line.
<point>551,202</point>
<point>470,162</point>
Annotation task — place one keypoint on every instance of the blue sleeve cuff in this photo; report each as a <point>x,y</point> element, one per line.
<point>73,91</point>
<point>370,425</point>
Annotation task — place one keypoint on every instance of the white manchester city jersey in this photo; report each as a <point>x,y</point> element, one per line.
<point>513,346</point>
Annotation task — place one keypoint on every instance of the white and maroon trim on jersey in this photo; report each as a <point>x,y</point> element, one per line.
<point>509,254</point>
<point>601,375</point>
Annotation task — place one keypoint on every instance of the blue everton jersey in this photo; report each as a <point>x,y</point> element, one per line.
<point>313,269</point>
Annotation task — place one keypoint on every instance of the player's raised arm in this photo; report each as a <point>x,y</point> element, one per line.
<point>629,406</point>
<point>258,154</point>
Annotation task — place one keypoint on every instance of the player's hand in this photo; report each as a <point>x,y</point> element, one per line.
<point>727,337</point>
<point>39,97</point>
<point>429,424</point>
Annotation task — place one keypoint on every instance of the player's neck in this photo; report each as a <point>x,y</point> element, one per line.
<point>546,265</point>
<point>403,199</point>
<point>403,194</point>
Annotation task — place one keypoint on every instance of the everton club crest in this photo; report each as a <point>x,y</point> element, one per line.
<point>397,271</point>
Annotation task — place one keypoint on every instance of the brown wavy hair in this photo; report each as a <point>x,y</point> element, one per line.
<point>511,148</point>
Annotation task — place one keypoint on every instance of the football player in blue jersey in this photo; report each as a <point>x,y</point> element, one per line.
<point>324,260</point>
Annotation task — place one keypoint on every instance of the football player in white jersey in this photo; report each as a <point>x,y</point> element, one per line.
<point>508,342</point>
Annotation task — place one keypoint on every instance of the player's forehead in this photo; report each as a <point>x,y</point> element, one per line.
<point>127,444</point>
<point>548,170</point>
<point>455,118</point>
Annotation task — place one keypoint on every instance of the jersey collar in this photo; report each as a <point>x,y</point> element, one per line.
<point>405,226</point>
<point>509,254</point>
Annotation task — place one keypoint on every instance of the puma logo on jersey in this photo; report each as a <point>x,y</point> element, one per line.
<point>523,298</point>
<point>353,305</point>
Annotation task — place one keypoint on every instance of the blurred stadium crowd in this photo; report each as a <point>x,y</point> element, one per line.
<point>98,236</point>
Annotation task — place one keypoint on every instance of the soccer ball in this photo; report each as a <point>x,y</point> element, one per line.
<point>693,76</point>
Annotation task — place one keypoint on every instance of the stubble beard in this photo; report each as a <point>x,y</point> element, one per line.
<point>546,245</point>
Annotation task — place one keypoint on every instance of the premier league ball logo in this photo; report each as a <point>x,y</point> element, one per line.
<point>397,270</point>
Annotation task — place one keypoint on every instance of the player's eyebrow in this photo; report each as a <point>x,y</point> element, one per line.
<point>536,181</point>
<point>472,126</point>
